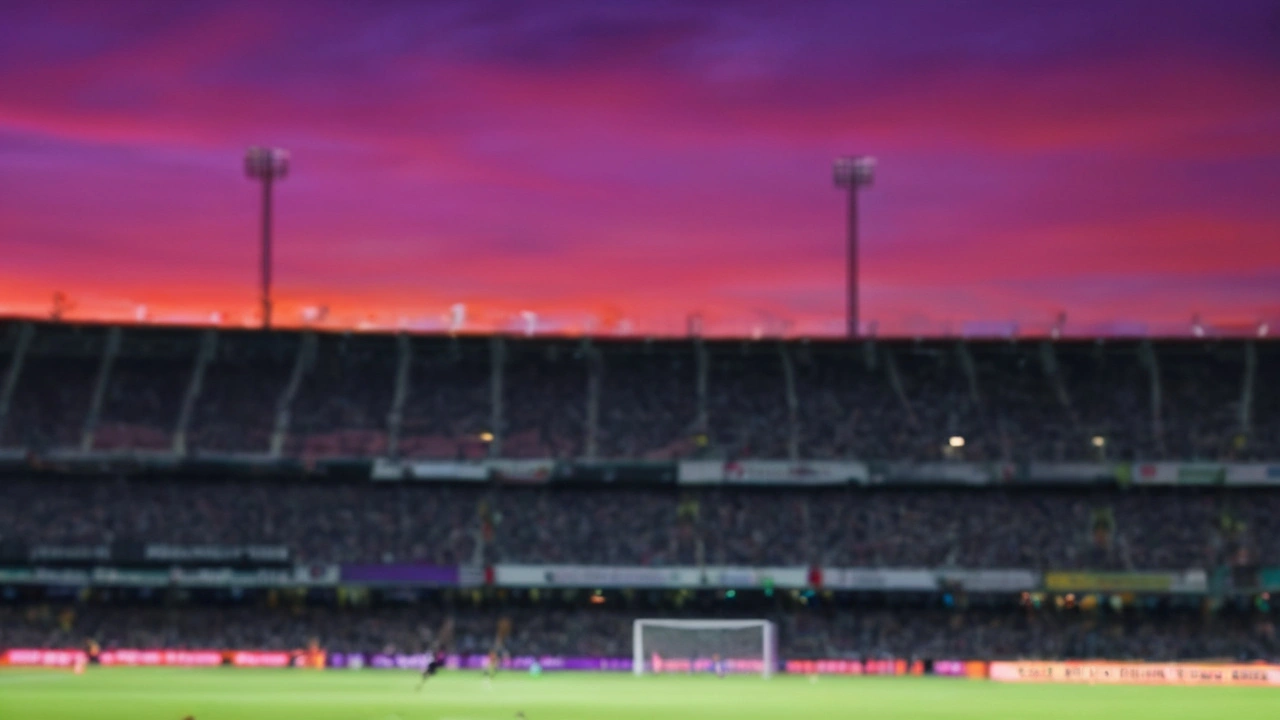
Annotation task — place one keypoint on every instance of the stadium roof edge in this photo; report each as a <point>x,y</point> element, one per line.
<point>609,338</point>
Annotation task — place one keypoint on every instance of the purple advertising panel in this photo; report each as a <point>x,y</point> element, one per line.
<point>950,668</point>
<point>400,661</point>
<point>704,665</point>
<point>399,574</point>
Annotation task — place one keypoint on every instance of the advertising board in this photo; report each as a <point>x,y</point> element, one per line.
<point>1136,673</point>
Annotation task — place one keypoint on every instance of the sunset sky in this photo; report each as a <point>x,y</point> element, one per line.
<point>617,165</point>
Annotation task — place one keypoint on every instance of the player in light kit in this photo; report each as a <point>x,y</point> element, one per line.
<point>498,653</point>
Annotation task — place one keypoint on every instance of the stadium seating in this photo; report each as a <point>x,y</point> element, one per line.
<point>87,404</point>
<point>334,395</point>
<point>445,524</point>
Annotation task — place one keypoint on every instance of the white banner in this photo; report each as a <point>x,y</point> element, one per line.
<point>771,472</point>
<point>879,579</point>
<point>1253,474</point>
<point>52,576</point>
<point>1190,581</point>
<point>1203,473</point>
<point>1069,472</point>
<point>1176,473</point>
<point>317,575</point>
<point>324,575</point>
<point>588,576</point>
<point>619,576</point>
<point>158,553</point>
<point>787,578</point>
<point>384,469</point>
<point>532,471</point>
<point>946,472</point>
<point>741,578</point>
<point>226,577</point>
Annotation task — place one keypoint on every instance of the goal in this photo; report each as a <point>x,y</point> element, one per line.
<point>692,646</point>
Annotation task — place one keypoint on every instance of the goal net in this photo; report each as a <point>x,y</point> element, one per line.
<point>700,646</point>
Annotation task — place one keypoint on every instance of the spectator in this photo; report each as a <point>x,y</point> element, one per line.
<point>845,527</point>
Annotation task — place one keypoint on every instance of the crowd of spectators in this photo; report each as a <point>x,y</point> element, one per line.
<point>241,391</point>
<point>648,401</point>
<point>50,403</point>
<point>1263,442</point>
<point>143,396</point>
<point>545,401</point>
<point>471,524</point>
<point>1200,405</point>
<point>889,400</point>
<point>854,634</point>
<point>319,523</point>
<point>447,411</point>
<point>344,398</point>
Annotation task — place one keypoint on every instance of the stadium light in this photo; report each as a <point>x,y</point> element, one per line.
<point>1059,325</point>
<point>266,165</point>
<point>457,317</point>
<point>312,314</point>
<point>851,175</point>
<point>956,441</point>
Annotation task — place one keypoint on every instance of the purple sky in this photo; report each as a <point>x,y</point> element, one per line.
<point>622,165</point>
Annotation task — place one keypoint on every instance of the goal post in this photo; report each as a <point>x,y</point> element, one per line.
<point>691,646</point>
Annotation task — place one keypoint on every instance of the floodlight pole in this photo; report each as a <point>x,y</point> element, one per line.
<point>266,164</point>
<point>852,174</point>
<point>266,252</point>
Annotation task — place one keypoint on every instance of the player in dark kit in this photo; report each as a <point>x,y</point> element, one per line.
<point>435,657</point>
<point>435,661</point>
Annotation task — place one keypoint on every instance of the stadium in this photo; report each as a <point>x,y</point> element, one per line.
<point>194,497</point>
<point>480,361</point>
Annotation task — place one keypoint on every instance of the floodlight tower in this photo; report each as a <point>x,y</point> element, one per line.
<point>851,175</point>
<point>267,165</point>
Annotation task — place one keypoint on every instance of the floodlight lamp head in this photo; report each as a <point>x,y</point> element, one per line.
<point>853,172</point>
<point>263,162</point>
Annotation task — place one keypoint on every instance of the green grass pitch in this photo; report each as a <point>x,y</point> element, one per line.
<point>238,694</point>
